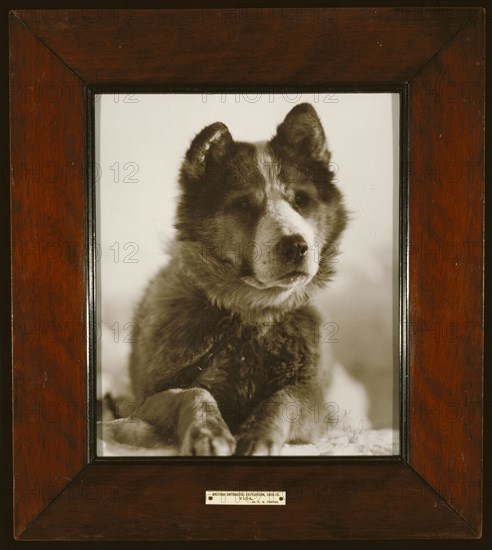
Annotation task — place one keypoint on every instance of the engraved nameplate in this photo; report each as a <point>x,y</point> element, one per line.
<point>272,498</point>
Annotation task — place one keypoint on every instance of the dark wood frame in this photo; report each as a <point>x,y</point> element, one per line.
<point>57,61</point>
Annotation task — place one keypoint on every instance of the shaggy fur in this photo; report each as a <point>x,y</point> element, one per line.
<point>227,352</point>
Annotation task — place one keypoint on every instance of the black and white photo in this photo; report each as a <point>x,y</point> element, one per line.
<point>247,274</point>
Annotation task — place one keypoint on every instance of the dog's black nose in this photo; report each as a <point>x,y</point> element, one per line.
<point>292,248</point>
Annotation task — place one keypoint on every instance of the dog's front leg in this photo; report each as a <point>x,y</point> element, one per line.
<point>284,416</point>
<point>194,417</point>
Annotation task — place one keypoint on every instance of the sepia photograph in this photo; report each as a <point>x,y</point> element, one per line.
<point>247,274</point>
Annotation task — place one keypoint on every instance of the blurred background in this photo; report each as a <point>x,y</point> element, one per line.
<point>140,142</point>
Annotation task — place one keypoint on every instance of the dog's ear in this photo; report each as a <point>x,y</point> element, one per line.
<point>300,136</point>
<point>207,148</point>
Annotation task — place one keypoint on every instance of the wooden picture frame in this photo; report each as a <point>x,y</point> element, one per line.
<point>58,60</point>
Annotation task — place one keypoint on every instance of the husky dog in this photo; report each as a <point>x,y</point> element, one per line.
<point>227,353</point>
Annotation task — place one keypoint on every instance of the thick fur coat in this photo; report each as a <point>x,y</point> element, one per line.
<point>227,352</point>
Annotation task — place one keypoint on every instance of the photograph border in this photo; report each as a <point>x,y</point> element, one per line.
<point>58,60</point>
<point>398,368</point>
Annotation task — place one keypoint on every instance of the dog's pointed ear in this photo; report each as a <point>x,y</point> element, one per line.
<point>208,147</point>
<point>300,136</point>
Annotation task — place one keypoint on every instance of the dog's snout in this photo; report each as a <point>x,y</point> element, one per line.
<point>292,248</point>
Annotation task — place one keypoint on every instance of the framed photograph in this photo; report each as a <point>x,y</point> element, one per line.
<point>247,270</point>
<point>348,269</point>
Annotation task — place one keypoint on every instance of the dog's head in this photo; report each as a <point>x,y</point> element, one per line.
<point>259,223</point>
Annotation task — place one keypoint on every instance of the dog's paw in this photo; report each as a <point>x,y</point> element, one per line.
<point>210,438</point>
<point>257,445</point>
<point>128,431</point>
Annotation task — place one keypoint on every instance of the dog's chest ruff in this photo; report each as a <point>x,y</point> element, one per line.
<point>247,363</point>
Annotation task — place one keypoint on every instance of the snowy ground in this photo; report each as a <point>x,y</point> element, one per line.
<point>383,442</point>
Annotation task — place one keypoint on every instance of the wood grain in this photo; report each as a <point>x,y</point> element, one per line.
<point>240,47</point>
<point>446,271</point>
<point>48,288</point>
<point>323,502</point>
<point>55,58</point>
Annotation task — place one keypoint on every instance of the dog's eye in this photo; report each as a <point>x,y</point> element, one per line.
<point>242,204</point>
<point>301,200</point>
